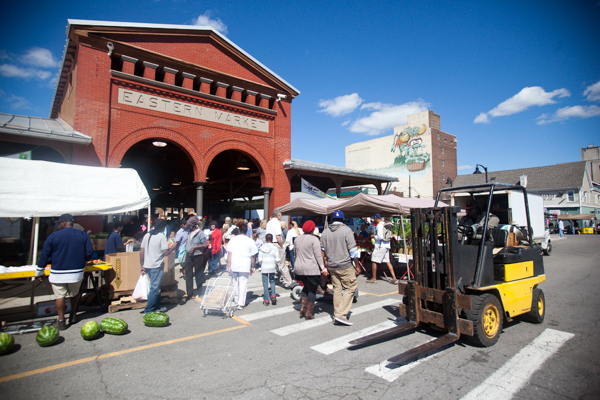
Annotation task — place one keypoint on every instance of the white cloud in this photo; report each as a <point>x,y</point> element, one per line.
<point>527,97</point>
<point>462,167</point>
<point>13,71</point>
<point>4,56</point>
<point>39,57</point>
<point>565,113</point>
<point>592,92</point>
<point>386,116</point>
<point>341,105</point>
<point>206,20</point>
<point>17,102</point>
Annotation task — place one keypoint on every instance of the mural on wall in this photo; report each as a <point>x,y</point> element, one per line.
<point>412,156</point>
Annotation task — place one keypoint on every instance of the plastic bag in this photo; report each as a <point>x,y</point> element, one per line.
<point>129,247</point>
<point>142,288</point>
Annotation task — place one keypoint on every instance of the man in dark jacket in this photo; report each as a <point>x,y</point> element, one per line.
<point>337,242</point>
<point>67,250</point>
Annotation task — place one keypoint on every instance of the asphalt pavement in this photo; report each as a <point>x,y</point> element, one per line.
<point>268,352</point>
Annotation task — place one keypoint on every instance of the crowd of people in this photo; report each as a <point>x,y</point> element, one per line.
<point>245,246</point>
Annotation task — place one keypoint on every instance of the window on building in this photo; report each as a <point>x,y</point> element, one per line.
<point>442,163</point>
<point>443,176</point>
<point>442,150</point>
<point>438,135</point>
<point>570,195</point>
<point>585,197</point>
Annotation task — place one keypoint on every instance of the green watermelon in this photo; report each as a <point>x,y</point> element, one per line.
<point>6,342</point>
<point>156,319</point>
<point>90,330</point>
<point>47,336</point>
<point>114,326</point>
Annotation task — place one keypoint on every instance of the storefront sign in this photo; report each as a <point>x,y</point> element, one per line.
<point>315,191</point>
<point>169,106</point>
<point>248,205</point>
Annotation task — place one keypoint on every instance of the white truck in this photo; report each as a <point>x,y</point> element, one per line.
<point>509,206</point>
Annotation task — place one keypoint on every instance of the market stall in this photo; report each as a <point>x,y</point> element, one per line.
<point>34,189</point>
<point>308,207</point>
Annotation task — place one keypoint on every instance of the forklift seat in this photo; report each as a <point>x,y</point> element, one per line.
<point>500,237</point>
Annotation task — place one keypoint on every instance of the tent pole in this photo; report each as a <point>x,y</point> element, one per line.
<point>404,239</point>
<point>36,231</point>
<point>148,219</point>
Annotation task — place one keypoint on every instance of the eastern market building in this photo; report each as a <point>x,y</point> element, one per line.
<point>201,120</point>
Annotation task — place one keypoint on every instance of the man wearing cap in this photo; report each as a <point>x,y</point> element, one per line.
<point>67,250</point>
<point>475,218</point>
<point>337,242</point>
<point>381,251</point>
<point>154,249</point>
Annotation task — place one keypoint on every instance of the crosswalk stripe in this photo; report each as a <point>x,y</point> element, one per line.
<point>342,343</point>
<point>268,313</point>
<point>390,372</point>
<point>516,372</point>
<point>287,330</point>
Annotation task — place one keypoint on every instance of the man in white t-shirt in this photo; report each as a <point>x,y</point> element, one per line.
<point>240,263</point>
<point>381,251</point>
<point>274,228</point>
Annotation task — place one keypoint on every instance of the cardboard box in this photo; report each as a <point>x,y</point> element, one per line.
<point>47,308</point>
<point>126,270</point>
<point>99,244</point>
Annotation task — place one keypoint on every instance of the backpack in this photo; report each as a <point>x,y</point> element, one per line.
<point>387,231</point>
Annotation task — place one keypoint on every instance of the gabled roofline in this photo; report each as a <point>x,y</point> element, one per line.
<point>83,22</point>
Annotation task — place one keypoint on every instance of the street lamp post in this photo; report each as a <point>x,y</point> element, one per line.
<point>477,171</point>
<point>449,182</point>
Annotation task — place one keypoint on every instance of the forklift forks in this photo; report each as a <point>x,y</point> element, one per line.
<point>432,297</point>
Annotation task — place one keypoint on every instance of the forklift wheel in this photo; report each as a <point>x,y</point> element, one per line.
<point>538,307</point>
<point>487,316</point>
<point>548,250</point>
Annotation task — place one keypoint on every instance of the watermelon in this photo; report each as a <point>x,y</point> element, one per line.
<point>156,319</point>
<point>47,336</point>
<point>90,330</point>
<point>114,326</point>
<point>6,342</point>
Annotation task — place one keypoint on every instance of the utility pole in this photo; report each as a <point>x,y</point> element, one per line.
<point>409,191</point>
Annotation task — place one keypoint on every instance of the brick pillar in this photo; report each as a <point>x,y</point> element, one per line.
<point>150,70</point>
<point>236,93</point>
<point>169,75</point>
<point>129,64</point>
<point>264,100</point>
<point>188,80</point>
<point>251,97</point>
<point>205,85</point>
<point>221,89</point>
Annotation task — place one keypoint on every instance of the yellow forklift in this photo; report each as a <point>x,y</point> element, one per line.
<point>468,279</point>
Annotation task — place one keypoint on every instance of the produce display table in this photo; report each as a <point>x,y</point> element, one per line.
<point>29,272</point>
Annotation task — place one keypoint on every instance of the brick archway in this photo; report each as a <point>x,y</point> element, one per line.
<point>266,176</point>
<point>119,149</point>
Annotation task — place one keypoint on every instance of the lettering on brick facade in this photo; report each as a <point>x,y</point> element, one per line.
<point>150,102</point>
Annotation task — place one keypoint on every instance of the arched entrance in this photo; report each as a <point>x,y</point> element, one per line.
<point>233,181</point>
<point>166,171</point>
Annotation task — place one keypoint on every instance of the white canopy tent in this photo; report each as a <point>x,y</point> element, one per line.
<point>46,189</point>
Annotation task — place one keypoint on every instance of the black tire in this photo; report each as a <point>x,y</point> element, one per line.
<point>548,250</point>
<point>538,307</point>
<point>487,316</point>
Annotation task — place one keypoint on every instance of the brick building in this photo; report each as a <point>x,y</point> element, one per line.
<point>199,118</point>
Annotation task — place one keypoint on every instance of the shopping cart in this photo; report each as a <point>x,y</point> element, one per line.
<point>219,296</point>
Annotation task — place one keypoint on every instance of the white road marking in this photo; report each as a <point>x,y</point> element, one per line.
<point>341,343</point>
<point>390,372</point>
<point>516,372</point>
<point>266,314</point>
<point>287,330</point>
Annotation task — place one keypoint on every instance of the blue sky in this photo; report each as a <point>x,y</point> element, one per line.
<point>518,82</point>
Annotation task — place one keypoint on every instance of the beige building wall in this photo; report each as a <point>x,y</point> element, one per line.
<point>408,154</point>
